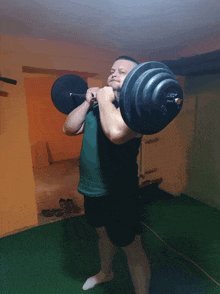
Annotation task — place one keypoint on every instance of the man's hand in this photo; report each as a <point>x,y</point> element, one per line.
<point>91,96</point>
<point>106,94</point>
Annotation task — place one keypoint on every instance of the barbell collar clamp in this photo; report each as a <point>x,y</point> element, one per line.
<point>176,100</point>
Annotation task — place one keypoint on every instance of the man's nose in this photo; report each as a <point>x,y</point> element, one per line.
<point>114,74</point>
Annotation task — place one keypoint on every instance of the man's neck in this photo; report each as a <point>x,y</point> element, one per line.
<point>117,94</point>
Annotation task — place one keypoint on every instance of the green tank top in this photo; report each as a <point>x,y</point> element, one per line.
<point>105,167</point>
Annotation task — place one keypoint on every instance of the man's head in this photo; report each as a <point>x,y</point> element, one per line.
<point>120,69</point>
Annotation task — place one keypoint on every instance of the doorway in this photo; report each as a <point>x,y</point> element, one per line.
<point>55,156</point>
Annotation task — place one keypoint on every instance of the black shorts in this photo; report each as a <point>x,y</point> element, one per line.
<point>119,214</point>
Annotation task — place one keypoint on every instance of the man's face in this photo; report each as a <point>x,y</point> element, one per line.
<point>119,71</point>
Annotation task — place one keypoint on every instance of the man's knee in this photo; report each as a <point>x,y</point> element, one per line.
<point>134,245</point>
<point>102,232</point>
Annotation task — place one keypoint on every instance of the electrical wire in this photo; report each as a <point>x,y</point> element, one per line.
<point>181,254</point>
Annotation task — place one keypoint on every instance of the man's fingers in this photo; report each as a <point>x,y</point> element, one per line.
<point>91,94</point>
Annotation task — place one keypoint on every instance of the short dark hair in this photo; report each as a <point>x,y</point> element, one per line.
<point>127,58</point>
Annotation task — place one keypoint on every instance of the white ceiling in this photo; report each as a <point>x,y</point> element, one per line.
<point>159,29</point>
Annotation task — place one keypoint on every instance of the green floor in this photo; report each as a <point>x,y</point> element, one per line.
<point>59,257</point>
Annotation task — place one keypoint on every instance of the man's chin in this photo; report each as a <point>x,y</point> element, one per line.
<point>115,86</point>
<point>115,89</point>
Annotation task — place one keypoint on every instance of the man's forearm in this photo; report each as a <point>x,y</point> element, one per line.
<point>112,122</point>
<point>76,118</point>
<point>110,118</point>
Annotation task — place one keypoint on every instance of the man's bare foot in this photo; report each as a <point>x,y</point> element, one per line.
<point>99,278</point>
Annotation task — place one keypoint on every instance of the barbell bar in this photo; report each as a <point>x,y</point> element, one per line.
<point>150,97</point>
<point>176,100</point>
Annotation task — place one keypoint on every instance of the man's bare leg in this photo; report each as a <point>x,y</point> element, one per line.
<point>139,266</point>
<point>107,251</point>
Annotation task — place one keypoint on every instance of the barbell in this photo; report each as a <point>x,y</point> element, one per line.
<point>150,97</point>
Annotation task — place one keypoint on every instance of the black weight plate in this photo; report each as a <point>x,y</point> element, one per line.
<point>160,93</point>
<point>161,89</point>
<point>151,123</point>
<point>171,108</point>
<point>127,101</point>
<point>150,87</point>
<point>154,123</point>
<point>61,89</point>
<point>142,102</point>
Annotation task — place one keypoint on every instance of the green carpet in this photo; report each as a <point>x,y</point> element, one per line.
<point>58,257</point>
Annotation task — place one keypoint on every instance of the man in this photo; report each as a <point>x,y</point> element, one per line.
<point>109,177</point>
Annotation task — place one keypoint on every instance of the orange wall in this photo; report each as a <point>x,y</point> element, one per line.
<point>45,123</point>
<point>18,209</point>
<point>22,125</point>
<point>17,187</point>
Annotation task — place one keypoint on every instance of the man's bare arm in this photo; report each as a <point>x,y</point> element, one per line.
<point>113,124</point>
<point>75,121</point>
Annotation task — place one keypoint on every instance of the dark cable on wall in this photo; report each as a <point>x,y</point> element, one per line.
<point>9,81</point>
